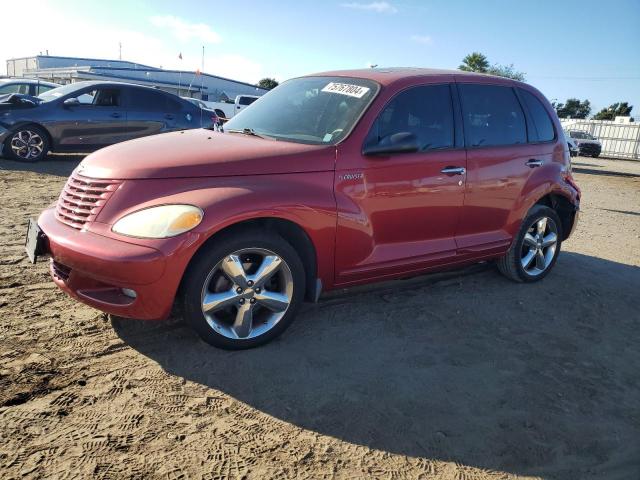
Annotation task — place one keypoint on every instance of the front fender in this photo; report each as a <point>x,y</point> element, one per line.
<point>305,199</point>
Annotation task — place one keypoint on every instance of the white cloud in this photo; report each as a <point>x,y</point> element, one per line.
<point>101,41</point>
<point>423,39</point>
<point>379,7</point>
<point>185,31</point>
<point>235,67</point>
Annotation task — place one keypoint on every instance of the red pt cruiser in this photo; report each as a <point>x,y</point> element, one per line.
<point>328,181</point>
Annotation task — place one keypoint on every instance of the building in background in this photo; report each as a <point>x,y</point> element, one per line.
<point>65,70</point>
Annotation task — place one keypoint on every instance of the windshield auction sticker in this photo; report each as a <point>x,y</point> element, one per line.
<point>346,89</point>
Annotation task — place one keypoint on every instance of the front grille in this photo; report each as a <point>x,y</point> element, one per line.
<point>82,198</point>
<point>60,271</point>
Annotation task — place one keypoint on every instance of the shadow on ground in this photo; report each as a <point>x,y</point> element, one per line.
<point>537,379</point>
<point>59,165</point>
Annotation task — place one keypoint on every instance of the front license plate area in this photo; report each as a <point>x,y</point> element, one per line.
<point>34,241</point>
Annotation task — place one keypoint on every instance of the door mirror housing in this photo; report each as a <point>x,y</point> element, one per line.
<point>401,142</point>
<point>71,102</point>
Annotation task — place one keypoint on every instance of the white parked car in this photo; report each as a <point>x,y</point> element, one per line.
<point>227,110</point>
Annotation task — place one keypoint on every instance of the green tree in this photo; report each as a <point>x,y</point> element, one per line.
<point>620,109</point>
<point>268,83</point>
<point>474,62</point>
<point>479,63</point>
<point>506,71</point>
<point>573,108</point>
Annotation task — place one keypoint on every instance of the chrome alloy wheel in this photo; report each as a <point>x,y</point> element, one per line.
<point>539,246</point>
<point>27,144</point>
<point>247,293</point>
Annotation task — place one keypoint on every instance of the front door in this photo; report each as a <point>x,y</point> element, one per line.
<point>99,119</point>
<point>399,212</point>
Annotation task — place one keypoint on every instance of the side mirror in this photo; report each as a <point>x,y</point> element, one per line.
<point>71,102</point>
<point>401,142</point>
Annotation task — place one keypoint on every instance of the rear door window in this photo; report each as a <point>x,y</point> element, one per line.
<point>43,88</point>
<point>148,100</point>
<point>426,111</point>
<point>246,100</point>
<point>492,116</point>
<point>542,130</point>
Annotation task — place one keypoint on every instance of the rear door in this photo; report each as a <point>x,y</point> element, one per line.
<point>500,163</point>
<point>153,111</point>
<point>146,112</point>
<point>98,120</point>
<point>399,212</point>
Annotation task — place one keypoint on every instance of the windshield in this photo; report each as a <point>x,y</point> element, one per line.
<point>315,110</point>
<point>56,93</point>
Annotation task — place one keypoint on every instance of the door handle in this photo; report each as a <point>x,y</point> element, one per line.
<point>454,170</point>
<point>169,117</point>
<point>533,163</point>
<point>115,115</point>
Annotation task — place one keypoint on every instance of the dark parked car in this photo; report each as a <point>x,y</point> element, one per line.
<point>27,86</point>
<point>215,115</point>
<point>587,144</point>
<point>328,181</point>
<point>86,116</point>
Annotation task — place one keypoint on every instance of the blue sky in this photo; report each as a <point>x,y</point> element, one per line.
<point>585,49</point>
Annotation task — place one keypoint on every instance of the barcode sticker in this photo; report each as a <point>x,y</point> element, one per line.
<point>346,89</point>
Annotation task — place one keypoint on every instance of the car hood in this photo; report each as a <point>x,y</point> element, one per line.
<point>204,153</point>
<point>12,101</point>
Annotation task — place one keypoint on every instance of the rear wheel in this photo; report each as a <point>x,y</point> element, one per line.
<point>536,247</point>
<point>27,144</point>
<point>243,290</point>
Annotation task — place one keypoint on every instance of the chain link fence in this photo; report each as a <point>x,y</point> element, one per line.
<point>619,140</point>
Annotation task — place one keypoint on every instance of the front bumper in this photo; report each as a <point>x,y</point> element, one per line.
<point>95,269</point>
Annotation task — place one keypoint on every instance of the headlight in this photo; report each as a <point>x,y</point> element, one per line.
<point>159,222</point>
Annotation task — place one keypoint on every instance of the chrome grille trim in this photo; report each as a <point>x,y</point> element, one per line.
<point>82,198</point>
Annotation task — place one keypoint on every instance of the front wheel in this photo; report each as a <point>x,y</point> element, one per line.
<point>243,290</point>
<point>27,144</point>
<point>536,247</point>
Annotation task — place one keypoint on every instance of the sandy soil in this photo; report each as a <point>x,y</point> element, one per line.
<point>454,376</point>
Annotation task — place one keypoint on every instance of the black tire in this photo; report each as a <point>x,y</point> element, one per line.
<point>43,144</point>
<point>596,155</point>
<point>203,265</point>
<point>511,265</point>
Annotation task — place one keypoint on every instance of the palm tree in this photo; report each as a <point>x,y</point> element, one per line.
<point>475,62</point>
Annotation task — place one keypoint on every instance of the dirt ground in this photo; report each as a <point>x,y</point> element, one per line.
<point>461,375</point>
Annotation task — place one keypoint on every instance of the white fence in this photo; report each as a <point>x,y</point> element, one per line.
<point>619,140</point>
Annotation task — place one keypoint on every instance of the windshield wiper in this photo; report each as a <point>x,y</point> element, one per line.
<point>248,131</point>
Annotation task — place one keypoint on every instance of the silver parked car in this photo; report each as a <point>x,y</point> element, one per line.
<point>26,86</point>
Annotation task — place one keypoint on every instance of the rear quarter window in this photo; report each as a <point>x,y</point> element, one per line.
<point>542,130</point>
<point>492,116</point>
